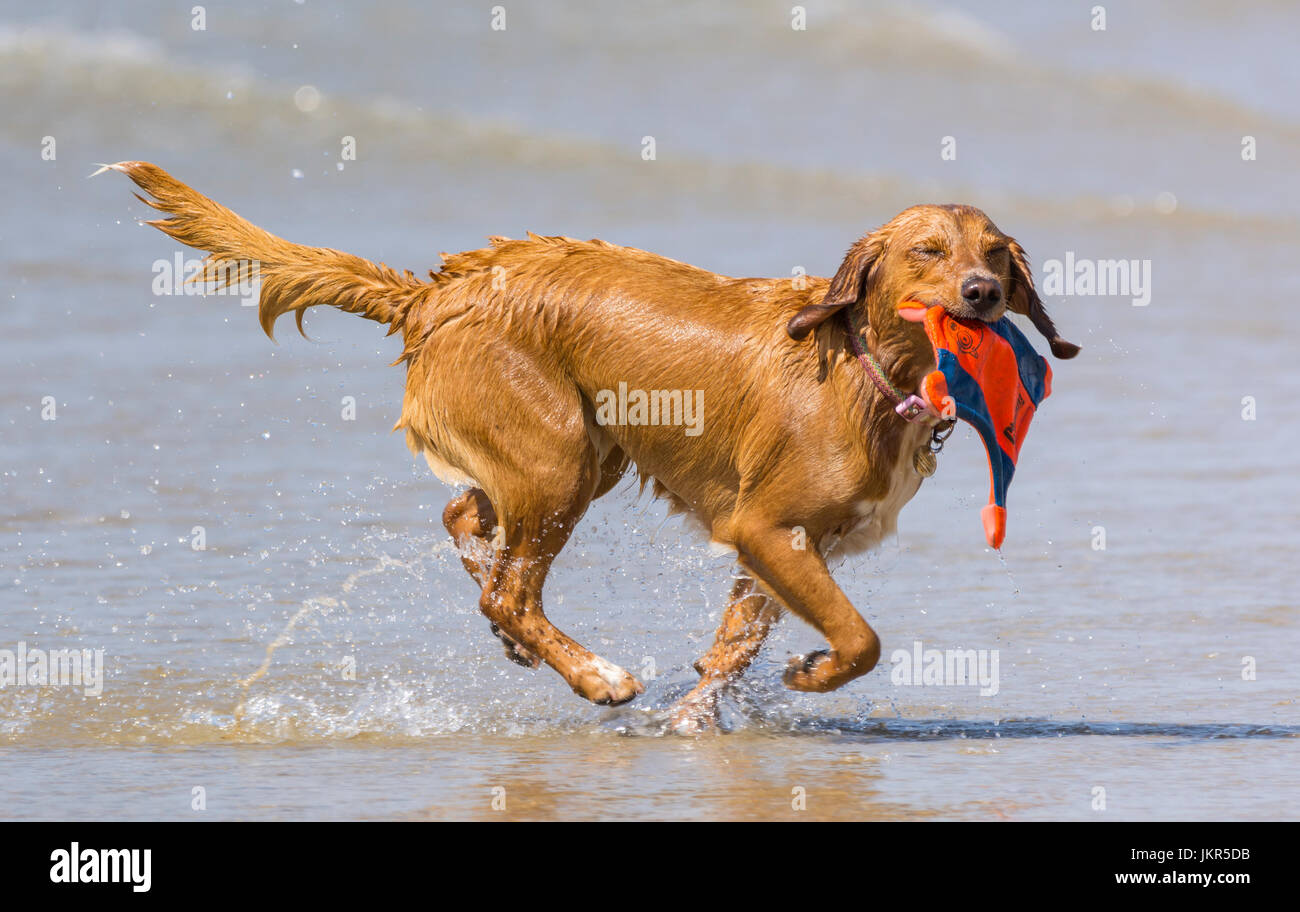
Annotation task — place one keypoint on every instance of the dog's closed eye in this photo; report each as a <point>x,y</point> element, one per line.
<point>930,250</point>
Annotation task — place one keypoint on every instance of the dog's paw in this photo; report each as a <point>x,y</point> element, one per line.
<point>604,683</point>
<point>807,672</point>
<point>696,713</point>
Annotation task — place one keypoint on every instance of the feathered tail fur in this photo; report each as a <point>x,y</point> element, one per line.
<point>292,277</point>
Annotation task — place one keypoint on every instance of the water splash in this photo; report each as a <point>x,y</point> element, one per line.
<point>1015,587</point>
<point>308,606</point>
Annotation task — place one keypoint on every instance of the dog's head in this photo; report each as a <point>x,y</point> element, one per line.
<point>948,256</point>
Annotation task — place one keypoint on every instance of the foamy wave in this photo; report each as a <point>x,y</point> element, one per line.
<point>79,68</point>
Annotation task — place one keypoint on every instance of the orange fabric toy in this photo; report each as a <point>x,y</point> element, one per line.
<point>990,377</point>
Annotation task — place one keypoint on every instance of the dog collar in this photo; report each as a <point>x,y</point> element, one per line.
<point>909,405</point>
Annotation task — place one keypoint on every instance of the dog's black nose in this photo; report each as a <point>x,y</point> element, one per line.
<point>982,292</point>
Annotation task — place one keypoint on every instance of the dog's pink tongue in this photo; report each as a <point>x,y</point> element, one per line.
<point>912,311</point>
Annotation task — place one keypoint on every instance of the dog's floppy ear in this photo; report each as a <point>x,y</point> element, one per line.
<point>846,288</point>
<point>1024,299</point>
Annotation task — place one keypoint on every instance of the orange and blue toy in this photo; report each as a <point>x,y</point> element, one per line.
<point>990,377</point>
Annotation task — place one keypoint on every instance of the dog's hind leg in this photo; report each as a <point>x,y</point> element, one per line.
<point>472,523</point>
<point>519,427</point>
<point>512,600</point>
<point>746,620</point>
<point>531,511</point>
<point>473,526</point>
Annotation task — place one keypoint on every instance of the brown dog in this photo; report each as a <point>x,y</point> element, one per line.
<point>520,358</point>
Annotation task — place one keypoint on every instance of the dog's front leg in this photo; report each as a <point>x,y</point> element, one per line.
<point>746,620</point>
<point>799,578</point>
